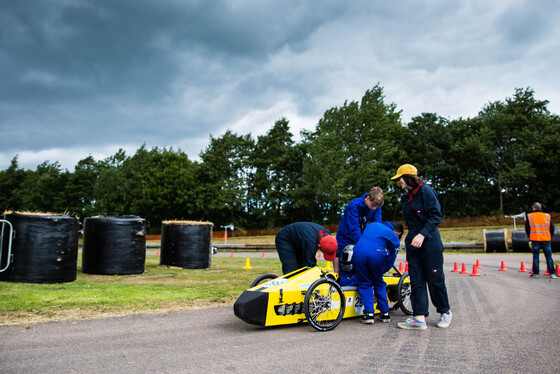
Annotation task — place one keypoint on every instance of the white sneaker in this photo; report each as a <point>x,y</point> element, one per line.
<point>445,320</point>
<point>413,324</point>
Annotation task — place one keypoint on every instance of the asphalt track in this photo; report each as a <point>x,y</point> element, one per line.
<point>504,322</point>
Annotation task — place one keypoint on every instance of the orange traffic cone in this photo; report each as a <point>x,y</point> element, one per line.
<point>522,270</point>
<point>478,264</point>
<point>503,268</point>
<point>464,269</point>
<point>319,255</point>
<point>557,269</point>
<point>475,271</point>
<point>157,253</point>
<point>547,272</point>
<point>401,268</point>
<point>262,255</point>
<point>406,266</point>
<point>455,268</point>
<point>231,254</point>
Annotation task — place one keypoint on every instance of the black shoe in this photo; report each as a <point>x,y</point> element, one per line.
<point>534,275</point>
<point>384,317</point>
<point>368,318</point>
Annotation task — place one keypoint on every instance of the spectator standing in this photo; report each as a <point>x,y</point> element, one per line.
<point>540,229</point>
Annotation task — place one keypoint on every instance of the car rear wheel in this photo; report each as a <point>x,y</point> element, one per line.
<point>403,294</point>
<point>263,278</point>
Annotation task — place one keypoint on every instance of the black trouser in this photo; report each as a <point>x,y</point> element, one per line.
<point>425,266</point>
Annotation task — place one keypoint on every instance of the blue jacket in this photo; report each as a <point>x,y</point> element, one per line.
<point>354,221</point>
<point>379,236</point>
<point>422,214</point>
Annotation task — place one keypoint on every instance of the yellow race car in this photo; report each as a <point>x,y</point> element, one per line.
<point>312,294</point>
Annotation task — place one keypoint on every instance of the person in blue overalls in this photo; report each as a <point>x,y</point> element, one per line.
<point>297,245</point>
<point>373,256</point>
<point>424,249</point>
<point>358,214</point>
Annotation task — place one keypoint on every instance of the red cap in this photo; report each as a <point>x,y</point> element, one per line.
<point>328,246</point>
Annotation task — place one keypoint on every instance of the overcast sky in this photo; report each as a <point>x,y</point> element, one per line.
<point>81,77</point>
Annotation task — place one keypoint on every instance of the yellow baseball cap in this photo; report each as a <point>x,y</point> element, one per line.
<point>405,169</point>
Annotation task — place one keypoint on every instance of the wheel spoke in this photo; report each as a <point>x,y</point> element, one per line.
<point>323,304</point>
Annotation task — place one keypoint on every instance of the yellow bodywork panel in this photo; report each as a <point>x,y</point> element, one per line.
<point>280,301</point>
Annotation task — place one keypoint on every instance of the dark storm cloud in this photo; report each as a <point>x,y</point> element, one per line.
<point>82,67</point>
<point>85,76</point>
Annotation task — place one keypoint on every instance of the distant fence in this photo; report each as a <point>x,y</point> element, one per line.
<point>259,232</point>
<point>486,221</point>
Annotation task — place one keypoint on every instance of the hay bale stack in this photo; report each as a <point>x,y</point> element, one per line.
<point>186,244</point>
<point>44,249</point>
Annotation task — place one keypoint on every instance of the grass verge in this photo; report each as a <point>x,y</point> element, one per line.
<point>158,289</point>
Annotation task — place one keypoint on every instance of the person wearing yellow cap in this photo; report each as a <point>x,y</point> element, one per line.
<point>297,245</point>
<point>424,249</point>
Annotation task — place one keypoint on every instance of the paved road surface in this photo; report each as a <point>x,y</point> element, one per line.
<point>503,322</point>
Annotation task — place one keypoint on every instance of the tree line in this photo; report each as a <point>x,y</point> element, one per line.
<point>498,162</point>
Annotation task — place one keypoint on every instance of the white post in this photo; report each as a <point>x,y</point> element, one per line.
<point>230,226</point>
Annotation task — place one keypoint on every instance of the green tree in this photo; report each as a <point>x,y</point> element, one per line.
<point>10,186</point>
<point>276,175</point>
<point>467,191</point>
<point>510,133</point>
<point>111,188</point>
<point>154,184</point>
<point>353,148</point>
<point>80,189</point>
<point>223,180</point>
<point>43,189</point>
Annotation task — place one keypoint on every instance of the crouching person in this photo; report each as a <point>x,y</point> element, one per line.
<point>297,245</point>
<point>373,256</point>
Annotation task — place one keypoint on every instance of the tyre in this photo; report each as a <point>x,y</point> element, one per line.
<point>403,294</point>
<point>263,278</point>
<point>324,304</point>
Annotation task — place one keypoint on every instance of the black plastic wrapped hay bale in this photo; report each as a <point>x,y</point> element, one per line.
<point>520,241</point>
<point>495,240</point>
<point>114,245</point>
<point>44,249</point>
<point>186,244</point>
<point>555,241</point>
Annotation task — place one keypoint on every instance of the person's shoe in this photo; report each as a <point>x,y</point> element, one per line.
<point>384,317</point>
<point>553,276</point>
<point>445,320</point>
<point>368,318</point>
<point>534,275</point>
<point>413,324</point>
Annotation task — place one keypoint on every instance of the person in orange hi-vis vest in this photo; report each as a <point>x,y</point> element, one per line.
<point>540,229</point>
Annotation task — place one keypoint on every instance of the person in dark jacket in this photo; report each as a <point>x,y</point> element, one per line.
<point>540,229</point>
<point>358,214</point>
<point>373,256</point>
<point>424,249</point>
<point>297,245</point>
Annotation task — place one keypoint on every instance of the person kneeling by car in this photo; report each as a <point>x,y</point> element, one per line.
<point>373,256</point>
<point>297,245</point>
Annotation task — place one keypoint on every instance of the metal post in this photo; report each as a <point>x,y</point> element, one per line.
<point>10,237</point>
<point>230,226</point>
